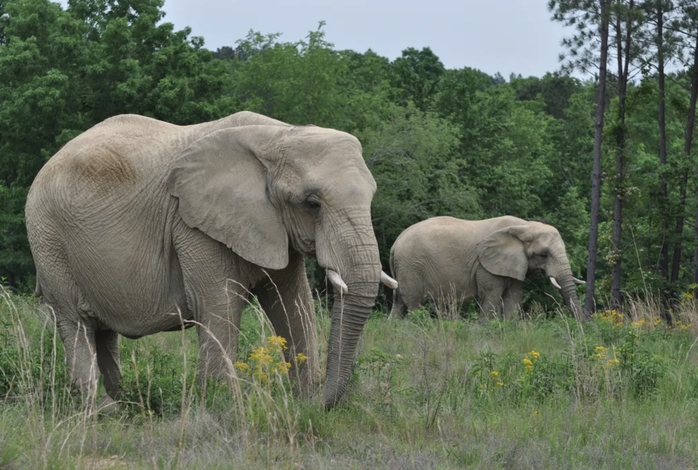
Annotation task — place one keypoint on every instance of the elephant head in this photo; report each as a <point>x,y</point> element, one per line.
<point>264,190</point>
<point>513,251</point>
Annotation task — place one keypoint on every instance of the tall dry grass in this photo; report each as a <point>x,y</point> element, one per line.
<point>540,392</point>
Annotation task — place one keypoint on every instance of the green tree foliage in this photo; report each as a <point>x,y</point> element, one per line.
<point>413,158</point>
<point>438,141</point>
<point>308,82</point>
<point>62,71</point>
<point>554,89</point>
<point>417,74</point>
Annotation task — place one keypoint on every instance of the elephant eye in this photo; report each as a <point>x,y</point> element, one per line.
<point>312,205</point>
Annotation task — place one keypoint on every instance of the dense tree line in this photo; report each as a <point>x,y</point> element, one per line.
<point>439,141</point>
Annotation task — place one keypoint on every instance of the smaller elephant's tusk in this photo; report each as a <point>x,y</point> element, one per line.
<point>552,279</point>
<point>388,281</point>
<point>337,281</point>
<point>578,281</point>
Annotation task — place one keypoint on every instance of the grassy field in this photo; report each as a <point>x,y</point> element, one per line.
<point>616,392</point>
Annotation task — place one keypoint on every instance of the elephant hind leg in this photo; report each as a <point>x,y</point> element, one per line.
<point>80,353</point>
<point>107,343</point>
<point>71,312</point>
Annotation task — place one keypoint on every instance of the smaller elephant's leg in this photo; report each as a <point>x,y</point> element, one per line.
<point>512,298</point>
<point>491,305</point>
<point>490,289</point>
<point>399,309</point>
<point>286,299</point>
<point>107,343</point>
<point>411,293</point>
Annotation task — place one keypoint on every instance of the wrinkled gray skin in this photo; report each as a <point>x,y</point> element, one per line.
<point>137,225</point>
<point>482,259</point>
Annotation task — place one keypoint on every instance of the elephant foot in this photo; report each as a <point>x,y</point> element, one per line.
<point>107,406</point>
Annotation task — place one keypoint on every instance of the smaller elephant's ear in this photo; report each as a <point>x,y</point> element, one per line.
<point>503,254</point>
<point>222,190</point>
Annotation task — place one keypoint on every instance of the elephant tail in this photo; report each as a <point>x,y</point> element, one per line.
<point>398,309</point>
<point>393,271</point>
<point>37,290</point>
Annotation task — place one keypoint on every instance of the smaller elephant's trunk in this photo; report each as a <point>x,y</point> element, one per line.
<point>566,284</point>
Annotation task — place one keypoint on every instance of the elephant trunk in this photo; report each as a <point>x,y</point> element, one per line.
<point>563,275</point>
<point>350,311</point>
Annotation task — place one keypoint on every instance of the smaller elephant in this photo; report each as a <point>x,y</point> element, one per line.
<point>448,258</point>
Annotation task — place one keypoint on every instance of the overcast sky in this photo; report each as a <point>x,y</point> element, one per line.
<point>505,36</point>
<point>491,35</point>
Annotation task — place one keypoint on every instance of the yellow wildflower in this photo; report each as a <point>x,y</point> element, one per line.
<point>494,373</point>
<point>277,341</point>
<point>612,362</point>
<point>300,357</point>
<point>527,361</point>
<point>242,367</point>
<point>599,351</point>
<point>500,384</point>
<point>614,317</point>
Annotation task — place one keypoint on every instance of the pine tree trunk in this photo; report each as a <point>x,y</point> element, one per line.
<point>623,58</point>
<point>589,304</point>
<point>664,258</point>
<point>688,142</point>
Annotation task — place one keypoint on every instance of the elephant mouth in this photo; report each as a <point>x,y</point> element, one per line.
<point>306,247</point>
<point>341,286</point>
<point>554,282</point>
<point>337,281</point>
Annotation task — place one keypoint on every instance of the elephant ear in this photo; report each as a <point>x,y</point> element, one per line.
<point>502,253</point>
<point>221,185</point>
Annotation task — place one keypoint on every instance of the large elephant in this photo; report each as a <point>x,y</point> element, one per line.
<point>445,257</point>
<point>139,226</point>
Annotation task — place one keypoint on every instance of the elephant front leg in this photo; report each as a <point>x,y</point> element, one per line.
<point>490,289</point>
<point>216,294</point>
<point>218,332</point>
<point>286,299</point>
<point>512,299</point>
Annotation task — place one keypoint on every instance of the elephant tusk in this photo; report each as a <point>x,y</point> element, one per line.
<point>578,281</point>
<point>388,281</point>
<point>552,279</point>
<point>337,281</point>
